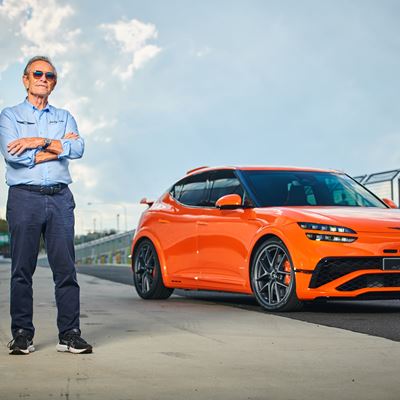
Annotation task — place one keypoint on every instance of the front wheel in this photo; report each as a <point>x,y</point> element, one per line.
<point>147,273</point>
<point>273,279</point>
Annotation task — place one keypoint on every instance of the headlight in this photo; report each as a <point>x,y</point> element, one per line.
<point>331,238</point>
<point>322,227</point>
<point>328,228</point>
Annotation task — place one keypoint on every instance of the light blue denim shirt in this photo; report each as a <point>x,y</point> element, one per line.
<point>25,120</point>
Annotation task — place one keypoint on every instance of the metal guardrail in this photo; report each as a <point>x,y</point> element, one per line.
<point>383,184</point>
<point>113,249</point>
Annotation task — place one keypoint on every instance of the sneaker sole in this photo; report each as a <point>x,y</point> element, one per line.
<point>22,352</point>
<point>63,348</point>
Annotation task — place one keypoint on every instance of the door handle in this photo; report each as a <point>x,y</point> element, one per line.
<point>202,223</point>
<point>163,221</point>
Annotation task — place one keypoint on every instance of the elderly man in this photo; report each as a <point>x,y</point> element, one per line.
<point>37,140</point>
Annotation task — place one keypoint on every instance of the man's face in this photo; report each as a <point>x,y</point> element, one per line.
<point>39,86</point>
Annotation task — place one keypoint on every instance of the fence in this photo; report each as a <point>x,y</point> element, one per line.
<point>113,249</point>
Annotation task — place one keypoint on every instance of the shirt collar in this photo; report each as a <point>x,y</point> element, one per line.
<point>31,107</point>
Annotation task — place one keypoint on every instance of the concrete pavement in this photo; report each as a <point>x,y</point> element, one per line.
<point>189,349</point>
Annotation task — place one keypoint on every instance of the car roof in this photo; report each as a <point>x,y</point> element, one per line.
<point>259,168</point>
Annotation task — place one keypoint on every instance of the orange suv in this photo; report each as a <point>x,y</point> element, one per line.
<point>284,234</point>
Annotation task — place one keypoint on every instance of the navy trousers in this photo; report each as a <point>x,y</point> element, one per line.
<point>31,215</point>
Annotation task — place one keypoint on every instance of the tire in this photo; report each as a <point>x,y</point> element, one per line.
<point>273,278</point>
<point>147,276</point>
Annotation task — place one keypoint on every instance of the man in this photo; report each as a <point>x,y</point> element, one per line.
<point>37,140</point>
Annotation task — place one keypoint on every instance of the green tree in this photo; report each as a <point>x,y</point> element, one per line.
<point>3,226</point>
<point>4,238</point>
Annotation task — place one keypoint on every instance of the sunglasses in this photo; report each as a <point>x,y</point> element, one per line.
<point>50,76</point>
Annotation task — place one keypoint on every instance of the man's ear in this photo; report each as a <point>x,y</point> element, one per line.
<point>25,81</point>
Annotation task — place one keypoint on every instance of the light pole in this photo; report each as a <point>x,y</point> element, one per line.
<point>115,204</point>
<point>80,211</point>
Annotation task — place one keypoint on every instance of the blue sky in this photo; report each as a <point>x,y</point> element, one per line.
<point>160,87</point>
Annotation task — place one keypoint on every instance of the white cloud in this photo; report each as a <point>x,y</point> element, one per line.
<point>77,104</point>
<point>131,35</point>
<point>99,84</point>
<point>85,87</point>
<point>80,108</point>
<point>102,139</point>
<point>131,38</point>
<point>84,175</point>
<point>89,126</point>
<point>64,70</point>
<point>140,57</point>
<point>13,8</point>
<point>40,24</point>
<point>202,52</point>
<point>3,67</point>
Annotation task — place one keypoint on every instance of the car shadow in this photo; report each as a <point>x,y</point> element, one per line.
<point>373,317</point>
<point>317,306</point>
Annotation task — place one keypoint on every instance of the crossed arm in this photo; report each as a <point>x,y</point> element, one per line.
<point>17,147</point>
<point>27,151</point>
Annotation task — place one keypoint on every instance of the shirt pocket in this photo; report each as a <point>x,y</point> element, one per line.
<point>27,128</point>
<point>56,128</point>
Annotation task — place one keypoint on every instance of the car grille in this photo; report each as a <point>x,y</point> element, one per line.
<point>331,268</point>
<point>371,281</point>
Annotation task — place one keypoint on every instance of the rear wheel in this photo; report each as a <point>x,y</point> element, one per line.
<point>273,279</point>
<point>147,273</point>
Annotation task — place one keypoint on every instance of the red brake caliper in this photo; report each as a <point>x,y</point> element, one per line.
<point>286,267</point>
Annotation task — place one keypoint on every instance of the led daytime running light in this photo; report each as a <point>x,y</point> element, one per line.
<point>327,228</point>
<point>319,237</point>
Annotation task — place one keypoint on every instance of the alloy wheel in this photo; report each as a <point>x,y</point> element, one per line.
<point>273,276</point>
<point>145,268</point>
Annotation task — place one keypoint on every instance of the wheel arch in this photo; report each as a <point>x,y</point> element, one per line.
<point>147,235</point>
<point>294,303</point>
<point>257,244</point>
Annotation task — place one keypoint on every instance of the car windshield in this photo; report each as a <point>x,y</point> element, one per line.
<point>304,188</point>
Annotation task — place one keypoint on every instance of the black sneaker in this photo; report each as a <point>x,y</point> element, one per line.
<point>21,344</point>
<point>72,342</point>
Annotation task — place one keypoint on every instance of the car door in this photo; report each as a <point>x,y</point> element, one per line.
<point>224,236</point>
<point>180,229</point>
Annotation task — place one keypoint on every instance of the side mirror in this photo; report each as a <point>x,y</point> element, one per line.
<point>146,201</point>
<point>229,202</point>
<point>390,203</point>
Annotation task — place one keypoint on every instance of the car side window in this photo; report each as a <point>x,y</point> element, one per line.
<point>191,191</point>
<point>223,183</point>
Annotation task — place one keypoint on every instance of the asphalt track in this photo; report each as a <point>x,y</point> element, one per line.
<point>376,318</point>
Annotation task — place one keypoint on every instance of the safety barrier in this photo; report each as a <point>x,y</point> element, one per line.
<point>113,249</point>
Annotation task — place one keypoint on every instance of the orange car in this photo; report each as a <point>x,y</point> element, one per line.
<point>284,234</point>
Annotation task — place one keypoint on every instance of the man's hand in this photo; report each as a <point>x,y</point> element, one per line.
<point>56,145</point>
<point>43,156</point>
<point>71,135</point>
<point>20,145</point>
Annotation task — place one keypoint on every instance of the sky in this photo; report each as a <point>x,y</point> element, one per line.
<point>160,87</point>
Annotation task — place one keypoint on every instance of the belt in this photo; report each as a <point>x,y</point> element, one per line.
<point>50,190</point>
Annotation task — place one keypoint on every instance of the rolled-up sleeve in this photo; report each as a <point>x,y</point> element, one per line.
<point>72,148</point>
<point>8,133</point>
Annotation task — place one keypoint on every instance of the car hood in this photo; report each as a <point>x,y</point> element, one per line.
<point>361,219</point>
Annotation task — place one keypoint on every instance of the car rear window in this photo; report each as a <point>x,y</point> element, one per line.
<point>191,191</point>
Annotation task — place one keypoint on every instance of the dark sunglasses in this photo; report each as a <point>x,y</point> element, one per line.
<point>50,76</point>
